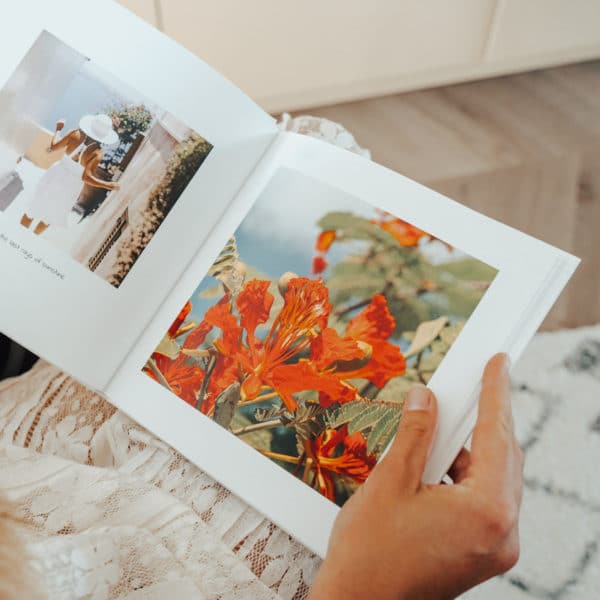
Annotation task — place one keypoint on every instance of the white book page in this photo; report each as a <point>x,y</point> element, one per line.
<point>179,140</point>
<point>283,221</point>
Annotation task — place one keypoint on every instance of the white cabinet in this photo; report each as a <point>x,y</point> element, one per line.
<point>292,55</point>
<point>314,52</point>
<point>526,29</point>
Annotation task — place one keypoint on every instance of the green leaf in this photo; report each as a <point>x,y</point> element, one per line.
<point>361,285</point>
<point>346,413</point>
<point>468,269</point>
<point>228,268</point>
<point>449,334</point>
<point>368,418</point>
<point>425,334</point>
<point>382,432</point>
<point>410,313</point>
<point>265,414</point>
<point>375,419</point>
<point>350,226</point>
<point>225,404</point>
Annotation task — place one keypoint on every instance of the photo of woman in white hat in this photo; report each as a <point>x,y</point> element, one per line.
<point>59,188</point>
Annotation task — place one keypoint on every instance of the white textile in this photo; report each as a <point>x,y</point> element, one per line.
<point>115,513</point>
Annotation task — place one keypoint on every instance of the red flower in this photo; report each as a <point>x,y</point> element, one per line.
<point>319,265</point>
<point>224,373</point>
<point>375,322</point>
<point>387,362</point>
<point>328,348</point>
<point>181,317</point>
<point>184,380</point>
<point>364,353</point>
<point>220,316</point>
<point>279,363</point>
<point>405,234</point>
<point>336,452</point>
<point>325,239</point>
<point>254,305</point>
<point>305,312</point>
<point>196,336</point>
<point>289,379</point>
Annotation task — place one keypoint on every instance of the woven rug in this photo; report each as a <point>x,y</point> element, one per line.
<point>557,414</point>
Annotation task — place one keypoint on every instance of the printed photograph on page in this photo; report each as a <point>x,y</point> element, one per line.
<point>87,163</point>
<point>311,325</point>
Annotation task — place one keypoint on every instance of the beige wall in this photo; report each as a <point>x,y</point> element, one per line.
<point>298,55</point>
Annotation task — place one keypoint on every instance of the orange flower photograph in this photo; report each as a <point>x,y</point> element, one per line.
<point>312,324</point>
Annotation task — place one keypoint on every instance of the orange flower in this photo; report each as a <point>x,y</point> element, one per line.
<point>254,305</point>
<point>329,348</point>
<point>184,380</point>
<point>220,316</point>
<point>336,452</point>
<point>289,379</point>
<point>279,363</point>
<point>181,317</point>
<point>375,322</point>
<point>325,239</point>
<point>319,265</point>
<point>405,234</point>
<point>196,337</point>
<point>364,353</point>
<point>224,373</point>
<point>305,311</point>
<point>386,363</point>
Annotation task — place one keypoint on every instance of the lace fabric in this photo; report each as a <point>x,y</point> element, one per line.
<point>115,513</point>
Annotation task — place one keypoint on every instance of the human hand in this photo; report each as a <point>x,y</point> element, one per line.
<point>399,538</point>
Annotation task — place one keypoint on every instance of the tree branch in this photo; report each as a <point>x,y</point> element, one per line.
<point>258,426</point>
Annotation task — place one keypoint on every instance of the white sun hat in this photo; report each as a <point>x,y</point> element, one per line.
<point>99,128</point>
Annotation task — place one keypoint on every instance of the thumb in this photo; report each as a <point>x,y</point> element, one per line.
<point>407,456</point>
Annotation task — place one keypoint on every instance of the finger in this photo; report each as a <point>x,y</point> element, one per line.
<point>458,471</point>
<point>406,457</point>
<point>492,449</point>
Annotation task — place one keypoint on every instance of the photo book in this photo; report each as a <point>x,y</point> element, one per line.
<point>260,300</point>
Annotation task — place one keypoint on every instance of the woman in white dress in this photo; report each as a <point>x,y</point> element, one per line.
<point>58,189</point>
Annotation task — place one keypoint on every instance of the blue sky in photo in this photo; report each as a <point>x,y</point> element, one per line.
<point>280,230</point>
<point>91,91</point>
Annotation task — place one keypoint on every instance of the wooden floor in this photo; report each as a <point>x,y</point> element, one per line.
<point>524,149</point>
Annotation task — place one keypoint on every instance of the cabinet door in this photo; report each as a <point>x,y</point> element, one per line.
<point>286,54</point>
<point>526,29</point>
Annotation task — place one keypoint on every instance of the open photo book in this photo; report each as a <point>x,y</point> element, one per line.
<point>260,300</point>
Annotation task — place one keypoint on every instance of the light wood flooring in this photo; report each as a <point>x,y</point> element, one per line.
<point>524,149</point>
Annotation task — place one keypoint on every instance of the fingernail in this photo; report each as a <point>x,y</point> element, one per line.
<point>506,362</point>
<point>419,398</point>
